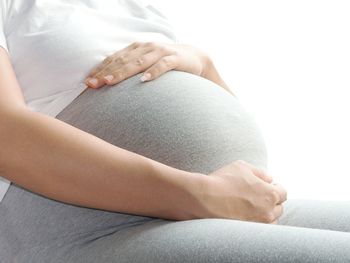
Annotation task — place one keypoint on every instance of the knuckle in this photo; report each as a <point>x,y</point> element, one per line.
<point>122,59</point>
<point>167,62</point>
<point>139,61</point>
<point>268,199</point>
<point>273,196</point>
<point>108,60</point>
<point>120,75</point>
<point>136,44</point>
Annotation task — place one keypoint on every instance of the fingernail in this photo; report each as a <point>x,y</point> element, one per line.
<point>145,77</point>
<point>93,81</point>
<point>109,78</point>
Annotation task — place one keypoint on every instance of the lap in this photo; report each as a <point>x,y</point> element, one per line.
<point>188,123</point>
<point>56,232</point>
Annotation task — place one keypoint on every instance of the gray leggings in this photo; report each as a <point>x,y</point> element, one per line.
<point>189,123</point>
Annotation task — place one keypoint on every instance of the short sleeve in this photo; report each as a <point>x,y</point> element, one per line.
<point>2,24</point>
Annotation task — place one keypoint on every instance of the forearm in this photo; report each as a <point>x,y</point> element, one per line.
<point>52,158</point>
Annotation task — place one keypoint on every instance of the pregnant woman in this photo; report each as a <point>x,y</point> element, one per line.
<point>149,157</point>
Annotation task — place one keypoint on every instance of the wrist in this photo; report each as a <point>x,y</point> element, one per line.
<point>203,192</point>
<point>196,188</point>
<point>209,72</point>
<point>181,192</point>
<point>191,204</point>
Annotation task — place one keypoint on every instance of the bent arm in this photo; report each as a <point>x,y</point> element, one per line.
<point>59,161</point>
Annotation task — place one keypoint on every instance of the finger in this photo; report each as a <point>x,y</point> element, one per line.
<point>131,55</point>
<point>165,64</point>
<point>98,79</point>
<point>259,172</point>
<point>282,193</point>
<point>127,54</point>
<point>139,64</point>
<point>101,66</point>
<point>94,80</point>
<point>121,59</point>
<point>129,64</point>
<point>112,57</point>
<point>262,174</point>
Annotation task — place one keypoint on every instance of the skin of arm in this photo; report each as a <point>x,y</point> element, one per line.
<point>211,73</point>
<point>59,161</point>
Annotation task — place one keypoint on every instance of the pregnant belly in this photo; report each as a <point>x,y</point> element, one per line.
<point>179,119</point>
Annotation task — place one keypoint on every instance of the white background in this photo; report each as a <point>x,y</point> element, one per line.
<point>289,64</point>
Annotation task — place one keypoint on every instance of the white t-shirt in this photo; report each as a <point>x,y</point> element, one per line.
<point>53,44</point>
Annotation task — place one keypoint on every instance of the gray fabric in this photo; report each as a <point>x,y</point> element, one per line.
<point>189,123</point>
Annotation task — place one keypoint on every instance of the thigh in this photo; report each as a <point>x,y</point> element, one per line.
<point>216,240</point>
<point>308,231</point>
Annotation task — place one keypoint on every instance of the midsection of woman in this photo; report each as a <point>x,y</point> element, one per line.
<point>179,119</point>
<point>188,122</point>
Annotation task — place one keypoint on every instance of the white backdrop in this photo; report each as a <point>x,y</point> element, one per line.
<point>289,64</point>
